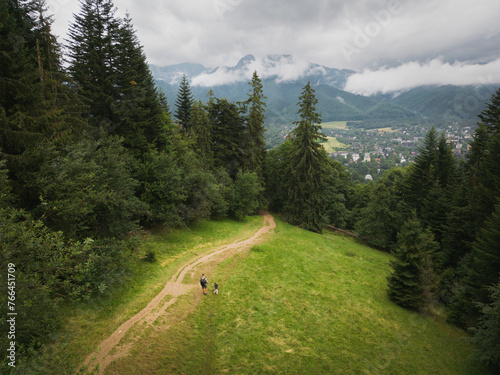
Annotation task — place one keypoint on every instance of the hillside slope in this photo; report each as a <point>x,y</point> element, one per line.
<point>302,303</point>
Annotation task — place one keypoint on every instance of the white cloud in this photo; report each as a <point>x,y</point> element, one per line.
<point>356,34</point>
<point>413,74</point>
<point>282,68</point>
<point>221,76</point>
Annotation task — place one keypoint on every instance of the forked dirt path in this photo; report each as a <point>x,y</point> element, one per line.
<point>102,357</point>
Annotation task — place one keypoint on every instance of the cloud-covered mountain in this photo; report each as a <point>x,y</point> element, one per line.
<point>284,76</point>
<point>279,68</point>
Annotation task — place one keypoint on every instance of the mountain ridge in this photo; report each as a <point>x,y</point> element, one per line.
<point>284,76</point>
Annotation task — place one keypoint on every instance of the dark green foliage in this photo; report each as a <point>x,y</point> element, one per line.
<point>309,169</point>
<point>184,104</point>
<point>111,74</point>
<point>150,256</point>
<point>227,132</point>
<point>482,267</point>
<point>487,333</point>
<point>337,191</point>
<point>34,103</point>
<point>244,195</point>
<point>140,116</point>
<point>411,280</point>
<point>50,270</point>
<point>6,197</point>
<point>201,128</point>
<point>160,187</point>
<point>199,186</point>
<point>423,172</point>
<point>277,168</point>
<point>430,182</point>
<point>383,216</point>
<point>221,193</point>
<point>255,145</point>
<point>478,204</point>
<point>88,190</point>
<point>92,52</point>
<point>491,115</point>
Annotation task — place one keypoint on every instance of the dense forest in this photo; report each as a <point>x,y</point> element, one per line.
<point>91,153</point>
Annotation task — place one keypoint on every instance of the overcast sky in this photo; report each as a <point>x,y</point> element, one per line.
<point>393,44</point>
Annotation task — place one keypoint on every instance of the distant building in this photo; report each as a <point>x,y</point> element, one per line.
<point>367,157</point>
<point>355,157</point>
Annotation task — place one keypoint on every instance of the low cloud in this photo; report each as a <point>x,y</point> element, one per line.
<point>282,68</point>
<point>413,74</point>
<point>222,76</point>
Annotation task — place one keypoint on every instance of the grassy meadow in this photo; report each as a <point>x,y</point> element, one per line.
<point>386,130</point>
<point>299,303</point>
<point>334,125</point>
<point>91,322</point>
<point>332,144</point>
<point>303,303</point>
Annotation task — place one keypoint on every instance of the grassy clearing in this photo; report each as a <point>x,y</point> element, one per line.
<point>303,303</point>
<point>386,130</point>
<point>334,125</point>
<point>87,325</point>
<point>332,144</point>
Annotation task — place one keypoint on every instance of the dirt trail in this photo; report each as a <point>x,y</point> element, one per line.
<point>174,288</point>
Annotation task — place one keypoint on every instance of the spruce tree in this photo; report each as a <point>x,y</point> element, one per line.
<point>481,272</point>
<point>184,104</point>
<point>92,50</point>
<point>227,131</point>
<point>139,113</point>
<point>201,129</point>
<point>111,73</point>
<point>422,172</point>
<point>309,167</point>
<point>36,104</point>
<point>382,218</point>
<point>20,88</point>
<point>484,268</point>
<point>487,334</point>
<point>478,205</point>
<point>490,116</point>
<point>255,145</point>
<point>409,279</point>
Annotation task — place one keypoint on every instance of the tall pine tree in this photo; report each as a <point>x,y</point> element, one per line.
<point>309,168</point>
<point>201,129</point>
<point>227,131</point>
<point>255,145</point>
<point>184,104</point>
<point>139,112</point>
<point>92,52</point>
<point>111,73</point>
<point>410,280</point>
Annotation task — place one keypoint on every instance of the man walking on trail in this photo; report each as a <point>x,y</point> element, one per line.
<point>204,282</point>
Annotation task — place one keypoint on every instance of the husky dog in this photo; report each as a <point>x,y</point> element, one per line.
<point>216,291</point>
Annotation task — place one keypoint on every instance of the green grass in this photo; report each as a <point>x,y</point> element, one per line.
<point>386,130</point>
<point>303,303</point>
<point>333,144</point>
<point>334,125</point>
<point>88,324</point>
<point>300,303</point>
